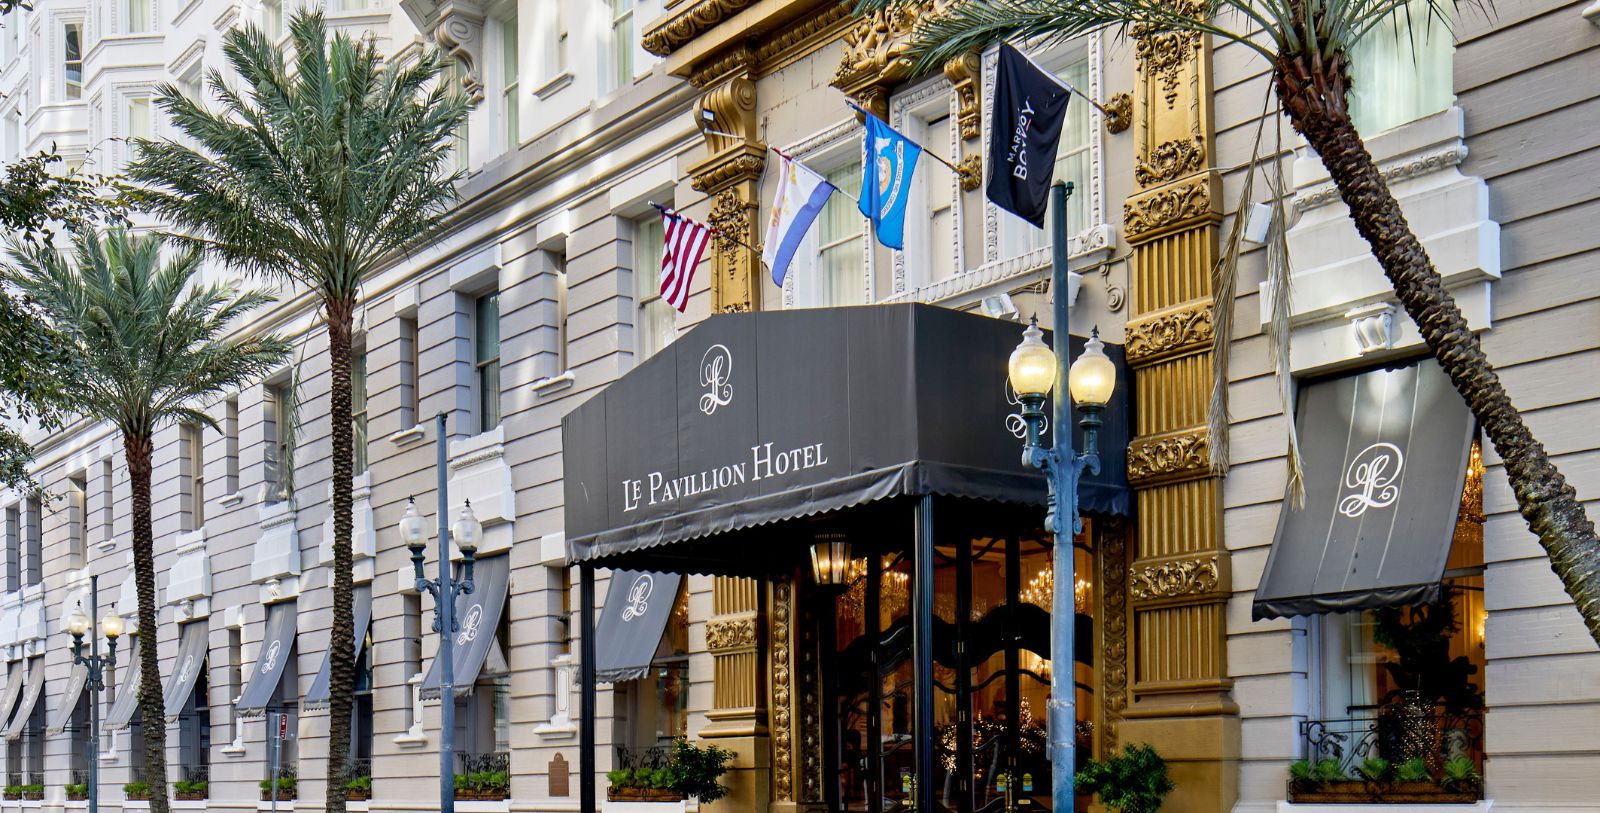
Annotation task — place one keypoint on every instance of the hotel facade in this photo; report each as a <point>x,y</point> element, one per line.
<point>1234,631</point>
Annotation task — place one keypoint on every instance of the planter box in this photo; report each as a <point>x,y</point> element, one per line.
<point>26,797</point>
<point>357,795</point>
<point>138,797</point>
<point>481,796</point>
<point>1359,792</point>
<point>189,797</point>
<point>77,797</point>
<point>635,794</point>
<point>283,795</point>
<point>617,806</point>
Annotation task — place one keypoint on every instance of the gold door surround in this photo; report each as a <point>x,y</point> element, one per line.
<point>1178,580</point>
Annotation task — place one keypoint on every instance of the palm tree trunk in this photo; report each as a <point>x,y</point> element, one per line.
<point>152,711</point>
<point>341,647</point>
<point>1314,97</point>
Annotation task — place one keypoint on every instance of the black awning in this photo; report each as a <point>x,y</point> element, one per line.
<point>638,606</point>
<point>126,703</point>
<point>61,715</point>
<point>477,620</point>
<point>32,688</point>
<point>16,676</point>
<point>1385,455</point>
<point>277,649</point>
<point>192,648</point>
<point>755,418</point>
<point>361,611</point>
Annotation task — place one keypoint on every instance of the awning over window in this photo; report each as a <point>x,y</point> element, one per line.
<point>638,606</point>
<point>126,703</point>
<point>1385,454</point>
<point>186,668</point>
<point>477,619</point>
<point>61,717</point>
<point>361,607</point>
<point>15,672</point>
<point>32,687</point>
<point>756,418</point>
<point>277,649</point>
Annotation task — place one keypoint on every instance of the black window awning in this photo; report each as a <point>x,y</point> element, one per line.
<point>192,648</point>
<point>16,677</point>
<point>61,716</point>
<point>361,612</point>
<point>1385,454</point>
<point>32,688</point>
<point>477,619</point>
<point>277,649</point>
<point>756,418</point>
<point>638,607</point>
<point>126,703</point>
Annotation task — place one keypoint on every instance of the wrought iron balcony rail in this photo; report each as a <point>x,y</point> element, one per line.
<point>495,761</point>
<point>653,758</point>
<point>357,768</point>
<point>194,773</point>
<point>1362,756</point>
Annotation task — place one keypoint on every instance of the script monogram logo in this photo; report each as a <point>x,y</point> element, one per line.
<point>188,669</point>
<point>638,597</point>
<point>716,367</point>
<point>1372,473</point>
<point>270,662</point>
<point>470,625</point>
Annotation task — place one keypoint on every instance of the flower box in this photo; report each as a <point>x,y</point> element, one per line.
<point>189,796</point>
<point>353,795</point>
<point>1397,793</point>
<point>628,793</point>
<point>284,795</point>
<point>465,795</point>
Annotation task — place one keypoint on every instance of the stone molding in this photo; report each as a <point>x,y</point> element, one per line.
<point>723,634</point>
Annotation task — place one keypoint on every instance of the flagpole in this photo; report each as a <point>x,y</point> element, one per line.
<point>782,154</point>
<point>925,151</point>
<point>719,233</point>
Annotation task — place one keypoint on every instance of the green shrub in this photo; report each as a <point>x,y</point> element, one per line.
<point>1460,775</point>
<point>1374,769</point>
<point>620,778</point>
<point>485,782</point>
<point>197,786</point>
<point>77,789</point>
<point>1134,781</point>
<point>136,789</point>
<point>694,771</point>
<point>286,784</point>
<point>1329,770</point>
<point>363,783</point>
<point>1414,769</point>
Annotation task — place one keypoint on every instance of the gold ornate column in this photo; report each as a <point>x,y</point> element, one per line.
<point>735,637</point>
<point>1178,579</point>
<point>731,175</point>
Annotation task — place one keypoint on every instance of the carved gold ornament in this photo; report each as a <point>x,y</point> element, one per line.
<point>1187,577</point>
<point>1173,456</point>
<point>1170,161</point>
<point>730,633</point>
<point>964,72</point>
<point>1149,339</point>
<point>1119,113</point>
<point>1166,207</point>
<point>689,23</point>
<point>782,691</point>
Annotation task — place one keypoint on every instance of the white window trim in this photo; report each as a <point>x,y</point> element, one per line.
<point>818,152</point>
<point>908,113</point>
<point>121,96</point>
<point>55,34</point>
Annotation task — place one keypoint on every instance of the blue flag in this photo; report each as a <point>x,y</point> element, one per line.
<point>886,181</point>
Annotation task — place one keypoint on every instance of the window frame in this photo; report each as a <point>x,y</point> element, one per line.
<point>482,364</point>
<point>833,149</point>
<point>912,112</point>
<point>72,91</point>
<point>360,440</point>
<point>646,282</point>
<point>192,447</point>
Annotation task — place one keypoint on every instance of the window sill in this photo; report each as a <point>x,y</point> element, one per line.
<point>406,437</point>
<point>1372,807</point>
<point>555,383</point>
<point>560,81</point>
<point>411,740</point>
<point>232,499</point>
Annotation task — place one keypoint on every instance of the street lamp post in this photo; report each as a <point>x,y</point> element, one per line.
<point>465,532</point>
<point>80,625</point>
<point>1034,370</point>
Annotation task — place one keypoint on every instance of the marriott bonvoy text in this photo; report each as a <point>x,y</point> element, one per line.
<point>656,488</point>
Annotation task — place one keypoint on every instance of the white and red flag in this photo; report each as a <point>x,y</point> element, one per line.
<point>685,244</point>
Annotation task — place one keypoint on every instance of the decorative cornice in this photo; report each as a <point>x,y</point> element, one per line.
<point>1325,193</point>
<point>743,167</point>
<point>736,60</point>
<point>1171,160</point>
<point>723,634</point>
<point>691,22</point>
<point>1152,338</point>
<point>1180,455</point>
<point>494,452</point>
<point>783,45</point>
<point>1175,579</point>
<point>1167,208</point>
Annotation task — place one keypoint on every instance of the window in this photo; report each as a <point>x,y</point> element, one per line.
<point>138,16</point>
<point>840,277</point>
<point>560,262</point>
<point>941,197</point>
<point>410,372</point>
<point>361,726</point>
<point>33,543</point>
<point>230,443</point>
<point>621,43</point>
<point>236,680</point>
<point>73,60</point>
<point>194,473</point>
<point>278,436</point>
<point>349,5</point>
<point>13,145</point>
<point>510,73</point>
<point>657,322</point>
<point>1402,69</point>
<point>358,411</point>
<point>486,349</point>
<point>8,36</point>
<point>108,504</point>
<point>564,584</point>
<point>77,516</point>
<point>457,79</point>
<point>13,549</point>
<point>25,754</point>
<point>552,37</point>
<point>1019,237</point>
<point>191,84</point>
<point>653,711</point>
<point>194,730</point>
<point>483,718</point>
<point>272,19</point>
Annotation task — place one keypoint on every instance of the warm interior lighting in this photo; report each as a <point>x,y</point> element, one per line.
<point>830,559</point>
<point>1093,376</point>
<point>1032,368</point>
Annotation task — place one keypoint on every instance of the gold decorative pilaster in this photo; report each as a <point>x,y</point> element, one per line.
<point>736,637</point>
<point>731,176</point>
<point>1178,577</point>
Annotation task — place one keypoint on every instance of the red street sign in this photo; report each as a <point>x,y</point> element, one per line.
<point>283,726</point>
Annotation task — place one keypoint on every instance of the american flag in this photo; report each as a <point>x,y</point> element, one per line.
<point>686,242</point>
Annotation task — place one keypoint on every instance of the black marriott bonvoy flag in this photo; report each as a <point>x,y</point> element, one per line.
<point>1029,108</point>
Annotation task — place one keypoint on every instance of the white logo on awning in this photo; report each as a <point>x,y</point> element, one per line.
<point>716,367</point>
<point>638,597</point>
<point>469,625</point>
<point>1372,473</point>
<point>270,662</point>
<point>186,670</point>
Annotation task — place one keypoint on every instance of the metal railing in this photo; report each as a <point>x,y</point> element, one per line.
<point>1398,733</point>
<point>483,763</point>
<point>194,773</point>
<point>654,757</point>
<point>357,768</point>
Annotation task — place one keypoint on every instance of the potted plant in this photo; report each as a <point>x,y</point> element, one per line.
<point>486,786</point>
<point>641,785</point>
<point>1134,781</point>
<point>77,791</point>
<point>358,789</point>
<point>136,791</point>
<point>286,788</point>
<point>13,792</point>
<point>193,790</point>
<point>1377,780</point>
<point>27,793</point>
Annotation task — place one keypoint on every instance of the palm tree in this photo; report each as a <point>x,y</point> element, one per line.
<point>317,176</point>
<point>141,343</point>
<point>1308,43</point>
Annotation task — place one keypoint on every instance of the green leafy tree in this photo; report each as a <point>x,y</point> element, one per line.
<point>319,176</point>
<point>142,342</point>
<point>1308,44</point>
